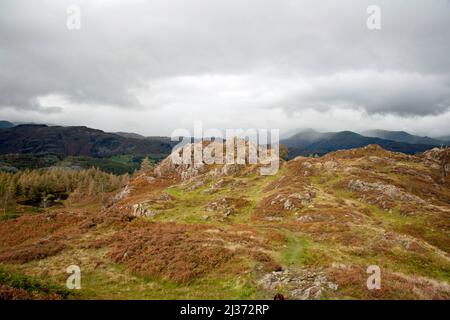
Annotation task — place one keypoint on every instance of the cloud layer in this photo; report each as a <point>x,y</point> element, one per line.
<point>153,66</point>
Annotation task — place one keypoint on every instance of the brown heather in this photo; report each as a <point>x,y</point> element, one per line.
<point>308,232</point>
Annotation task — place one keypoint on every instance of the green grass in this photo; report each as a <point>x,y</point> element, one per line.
<point>12,213</point>
<point>103,279</point>
<point>327,181</point>
<point>117,283</point>
<point>298,251</point>
<point>32,284</point>
<point>190,204</point>
<point>393,218</point>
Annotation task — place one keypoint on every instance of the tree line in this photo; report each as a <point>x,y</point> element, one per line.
<point>43,186</point>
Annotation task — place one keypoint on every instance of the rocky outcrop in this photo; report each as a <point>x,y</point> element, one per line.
<point>330,165</point>
<point>124,193</point>
<point>301,285</point>
<point>223,205</point>
<point>293,201</point>
<point>188,167</point>
<point>142,210</point>
<point>439,159</point>
<point>382,190</point>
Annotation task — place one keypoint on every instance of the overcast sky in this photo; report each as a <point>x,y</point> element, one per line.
<point>153,66</point>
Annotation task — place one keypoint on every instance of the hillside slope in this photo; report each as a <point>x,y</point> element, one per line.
<point>226,232</point>
<point>77,141</point>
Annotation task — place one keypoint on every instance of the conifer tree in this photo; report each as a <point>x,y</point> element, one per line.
<point>146,166</point>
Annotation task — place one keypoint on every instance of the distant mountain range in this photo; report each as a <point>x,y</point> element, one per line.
<point>310,142</point>
<point>444,138</point>
<point>84,141</point>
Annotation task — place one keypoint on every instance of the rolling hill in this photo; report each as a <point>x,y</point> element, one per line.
<point>223,231</point>
<point>77,141</point>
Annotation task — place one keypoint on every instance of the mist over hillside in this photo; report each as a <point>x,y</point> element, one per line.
<point>310,142</point>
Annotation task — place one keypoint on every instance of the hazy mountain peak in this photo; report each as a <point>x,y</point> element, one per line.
<point>6,124</point>
<point>401,136</point>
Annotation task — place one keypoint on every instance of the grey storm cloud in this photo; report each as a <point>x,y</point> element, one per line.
<point>376,92</point>
<point>286,54</point>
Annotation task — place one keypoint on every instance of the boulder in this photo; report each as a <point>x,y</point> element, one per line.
<point>141,210</point>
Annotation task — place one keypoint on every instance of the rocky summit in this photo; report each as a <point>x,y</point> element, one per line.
<point>311,231</point>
